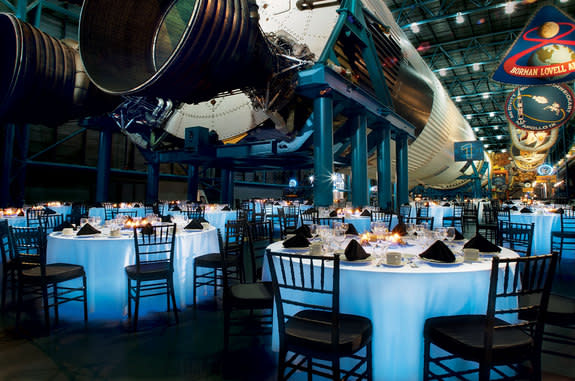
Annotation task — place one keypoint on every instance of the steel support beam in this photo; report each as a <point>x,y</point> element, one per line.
<point>384,186</point>
<point>227,195</point>
<point>10,133</point>
<point>401,175</point>
<point>359,180</point>
<point>153,181</point>
<point>193,182</point>
<point>103,165</point>
<point>323,151</point>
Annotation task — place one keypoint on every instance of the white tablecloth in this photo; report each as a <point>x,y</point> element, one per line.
<point>544,225</point>
<point>18,221</point>
<point>399,300</point>
<point>104,260</point>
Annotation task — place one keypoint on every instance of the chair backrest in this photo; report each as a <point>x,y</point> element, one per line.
<point>110,210</point>
<point>404,211</point>
<point>305,282</point>
<point>421,209</point>
<point>155,244</point>
<point>489,215</point>
<point>29,245</point>
<point>517,237</point>
<point>49,221</point>
<point>33,216</point>
<point>528,279</point>
<point>309,216</point>
<point>79,210</point>
<point>503,215</point>
<point>291,217</point>
<point>260,236</point>
<point>567,221</point>
<point>382,216</point>
<point>235,237</point>
<point>457,211</point>
<point>5,243</point>
<point>194,212</point>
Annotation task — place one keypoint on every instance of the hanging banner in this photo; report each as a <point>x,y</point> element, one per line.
<point>543,53</point>
<point>539,108</point>
<point>532,141</point>
<point>465,151</point>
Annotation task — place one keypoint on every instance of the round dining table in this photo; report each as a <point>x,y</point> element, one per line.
<point>545,223</point>
<point>398,300</point>
<point>104,259</point>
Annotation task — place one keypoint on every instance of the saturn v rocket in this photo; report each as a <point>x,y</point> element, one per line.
<point>231,66</point>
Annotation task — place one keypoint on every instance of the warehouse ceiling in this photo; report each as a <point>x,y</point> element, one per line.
<point>463,42</point>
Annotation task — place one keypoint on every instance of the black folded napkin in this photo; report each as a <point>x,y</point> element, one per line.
<point>351,230</point>
<point>309,211</point>
<point>458,235</point>
<point>276,203</point>
<point>354,251</point>
<point>67,204</point>
<point>558,211</point>
<point>194,224</point>
<point>296,241</point>
<point>147,229</point>
<point>136,206</point>
<point>509,202</point>
<point>49,211</point>
<point>525,210</point>
<point>21,214</point>
<point>166,218</point>
<point>87,229</point>
<point>365,213</point>
<point>482,244</point>
<point>547,203</point>
<point>226,208</point>
<point>333,213</point>
<point>438,252</point>
<point>62,226</point>
<point>514,208</point>
<point>98,205</point>
<point>400,229</point>
<point>308,202</point>
<point>175,208</point>
<point>303,231</point>
<point>446,204</point>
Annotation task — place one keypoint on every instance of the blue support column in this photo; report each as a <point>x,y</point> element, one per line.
<point>103,166</point>
<point>153,183</point>
<point>323,151</point>
<point>227,196</point>
<point>10,133</point>
<point>384,186</point>
<point>359,181</point>
<point>401,174</point>
<point>22,143</point>
<point>193,182</point>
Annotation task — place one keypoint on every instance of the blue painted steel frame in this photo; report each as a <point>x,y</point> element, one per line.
<point>384,185</point>
<point>323,150</point>
<point>359,181</point>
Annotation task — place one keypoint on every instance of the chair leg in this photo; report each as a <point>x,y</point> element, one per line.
<point>46,306</point>
<point>195,287</point>
<point>4,285</point>
<point>137,304</point>
<point>85,292</point>
<point>426,359</point>
<point>173,293</point>
<point>369,354</point>
<point>56,313</point>
<point>227,319</point>
<point>129,299</point>
<point>484,371</point>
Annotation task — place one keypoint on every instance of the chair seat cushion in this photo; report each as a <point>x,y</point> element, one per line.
<point>311,330</point>
<point>463,335</point>
<point>55,272</point>
<point>214,260</point>
<point>565,234</point>
<point>149,271</point>
<point>251,295</point>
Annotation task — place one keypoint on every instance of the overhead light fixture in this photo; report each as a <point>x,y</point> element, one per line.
<point>504,150</point>
<point>442,72</point>
<point>563,1</point>
<point>415,28</point>
<point>485,96</point>
<point>476,66</point>
<point>476,129</point>
<point>509,7</point>
<point>499,137</point>
<point>495,128</point>
<point>485,145</point>
<point>491,114</point>
<point>459,18</point>
<point>482,138</point>
<point>457,99</point>
<point>468,116</point>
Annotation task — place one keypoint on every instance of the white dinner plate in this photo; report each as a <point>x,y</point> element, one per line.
<point>358,262</point>
<point>88,235</point>
<point>458,261</point>
<point>193,230</point>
